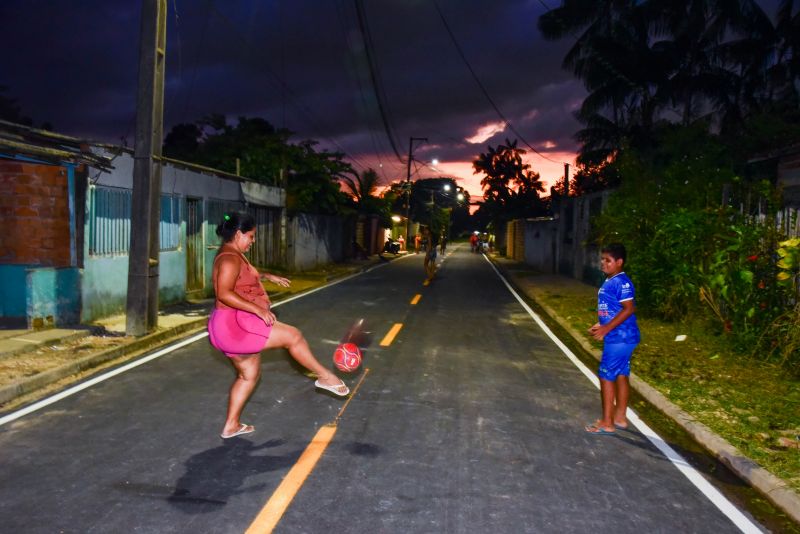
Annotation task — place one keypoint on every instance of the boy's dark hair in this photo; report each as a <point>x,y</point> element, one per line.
<point>615,250</point>
<point>232,222</point>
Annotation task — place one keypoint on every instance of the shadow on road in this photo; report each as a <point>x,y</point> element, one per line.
<point>215,475</point>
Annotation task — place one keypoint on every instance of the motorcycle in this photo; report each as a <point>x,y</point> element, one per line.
<point>391,246</point>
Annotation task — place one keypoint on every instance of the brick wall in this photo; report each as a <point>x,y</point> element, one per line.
<point>34,212</point>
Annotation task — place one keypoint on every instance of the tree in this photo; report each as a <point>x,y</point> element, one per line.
<point>511,189</point>
<point>362,188</point>
<point>647,62</point>
<point>311,178</point>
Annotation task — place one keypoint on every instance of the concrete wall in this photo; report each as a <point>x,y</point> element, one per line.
<point>541,242</point>
<point>315,240</point>
<point>52,296</point>
<point>563,243</point>
<point>12,291</point>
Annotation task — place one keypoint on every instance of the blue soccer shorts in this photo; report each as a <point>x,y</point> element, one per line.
<point>616,360</point>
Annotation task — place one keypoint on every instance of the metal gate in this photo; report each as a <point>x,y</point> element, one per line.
<point>194,245</point>
<point>266,250</point>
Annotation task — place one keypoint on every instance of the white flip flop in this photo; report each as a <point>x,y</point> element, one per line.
<point>334,389</point>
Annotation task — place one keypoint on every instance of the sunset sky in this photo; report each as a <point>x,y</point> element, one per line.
<point>304,65</point>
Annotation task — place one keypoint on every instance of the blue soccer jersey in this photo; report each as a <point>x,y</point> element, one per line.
<point>612,294</point>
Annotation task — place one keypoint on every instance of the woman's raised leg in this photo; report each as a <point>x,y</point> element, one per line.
<point>290,338</point>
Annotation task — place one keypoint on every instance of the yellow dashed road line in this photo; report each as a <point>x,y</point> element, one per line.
<point>389,337</point>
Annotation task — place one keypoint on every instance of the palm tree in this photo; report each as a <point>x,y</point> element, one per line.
<point>361,187</point>
<point>511,189</point>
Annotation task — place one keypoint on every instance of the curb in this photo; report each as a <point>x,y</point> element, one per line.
<point>772,487</point>
<point>41,380</point>
<point>32,347</point>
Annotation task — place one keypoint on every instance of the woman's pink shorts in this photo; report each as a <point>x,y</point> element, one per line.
<point>235,332</point>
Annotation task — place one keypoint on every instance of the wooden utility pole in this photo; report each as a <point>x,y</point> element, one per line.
<point>408,184</point>
<point>142,305</point>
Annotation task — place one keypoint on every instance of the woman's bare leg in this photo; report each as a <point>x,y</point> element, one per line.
<point>290,338</point>
<point>248,371</point>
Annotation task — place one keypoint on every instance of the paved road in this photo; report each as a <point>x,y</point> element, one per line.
<point>469,421</point>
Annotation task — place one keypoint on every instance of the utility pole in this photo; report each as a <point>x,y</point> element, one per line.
<point>566,179</point>
<point>142,304</point>
<point>408,184</point>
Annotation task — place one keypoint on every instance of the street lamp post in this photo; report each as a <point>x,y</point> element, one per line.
<point>408,184</point>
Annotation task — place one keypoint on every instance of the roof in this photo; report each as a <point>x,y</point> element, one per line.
<point>49,147</point>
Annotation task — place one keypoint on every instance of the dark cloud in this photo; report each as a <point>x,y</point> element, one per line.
<point>303,65</point>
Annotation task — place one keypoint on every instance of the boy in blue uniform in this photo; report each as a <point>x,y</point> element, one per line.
<point>618,330</point>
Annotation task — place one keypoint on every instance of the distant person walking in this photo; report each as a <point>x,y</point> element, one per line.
<point>430,255</point>
<point>417,243</point>
<point>242,324</point>
<point>473,242</point>
<point>618,330</point>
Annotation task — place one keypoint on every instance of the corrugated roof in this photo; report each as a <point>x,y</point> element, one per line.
<point>50,147</point>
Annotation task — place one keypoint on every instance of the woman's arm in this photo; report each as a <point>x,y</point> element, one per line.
<point>275,279</point>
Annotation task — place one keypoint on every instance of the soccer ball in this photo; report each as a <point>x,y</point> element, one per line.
<point>347,357</point>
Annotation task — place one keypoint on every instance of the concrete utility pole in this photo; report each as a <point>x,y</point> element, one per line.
<point>142,305</point>
<point>566,179</point>
<point>408,184</point>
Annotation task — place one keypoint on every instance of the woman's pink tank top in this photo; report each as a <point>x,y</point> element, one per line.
<point>248,284</point>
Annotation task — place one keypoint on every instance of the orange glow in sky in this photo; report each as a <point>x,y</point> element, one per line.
<point>550,172</point>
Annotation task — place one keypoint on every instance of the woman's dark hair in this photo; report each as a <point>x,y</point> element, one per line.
<point>232,222</point>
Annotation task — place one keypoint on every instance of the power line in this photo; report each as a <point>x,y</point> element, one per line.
<point>361,92</point>
<point>373,67</point>
<point>483,88</point>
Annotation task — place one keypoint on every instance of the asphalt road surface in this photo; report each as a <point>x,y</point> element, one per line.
<point>470,419</point>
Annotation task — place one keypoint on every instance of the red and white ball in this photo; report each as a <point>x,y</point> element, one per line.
<point>347,357</point>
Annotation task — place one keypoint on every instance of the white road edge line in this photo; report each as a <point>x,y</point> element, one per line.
<point>13,416</point>
<point>720,501</point>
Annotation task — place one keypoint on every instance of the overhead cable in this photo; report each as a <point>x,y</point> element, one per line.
<point>483,88</point>
<point>373,67</point>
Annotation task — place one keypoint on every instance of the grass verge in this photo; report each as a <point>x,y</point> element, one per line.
<point>753,405</point>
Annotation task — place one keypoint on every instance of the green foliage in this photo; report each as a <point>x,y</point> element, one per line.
<point>311,178</point>
<point>691,253</point>
<point>650,61</point>
<point>789,263</point>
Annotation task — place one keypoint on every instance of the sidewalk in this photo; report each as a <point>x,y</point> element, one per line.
<point>34,364</point>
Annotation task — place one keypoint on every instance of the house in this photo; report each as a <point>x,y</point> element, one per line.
<point>65,205</point>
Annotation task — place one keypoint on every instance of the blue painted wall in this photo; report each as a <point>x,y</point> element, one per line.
<point>12,291</point>
<point>53,296</point>
<point>105,283</point>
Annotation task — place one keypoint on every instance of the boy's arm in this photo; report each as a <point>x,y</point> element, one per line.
<point>599,331</point>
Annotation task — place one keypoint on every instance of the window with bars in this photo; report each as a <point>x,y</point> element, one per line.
<point>110,221</point>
